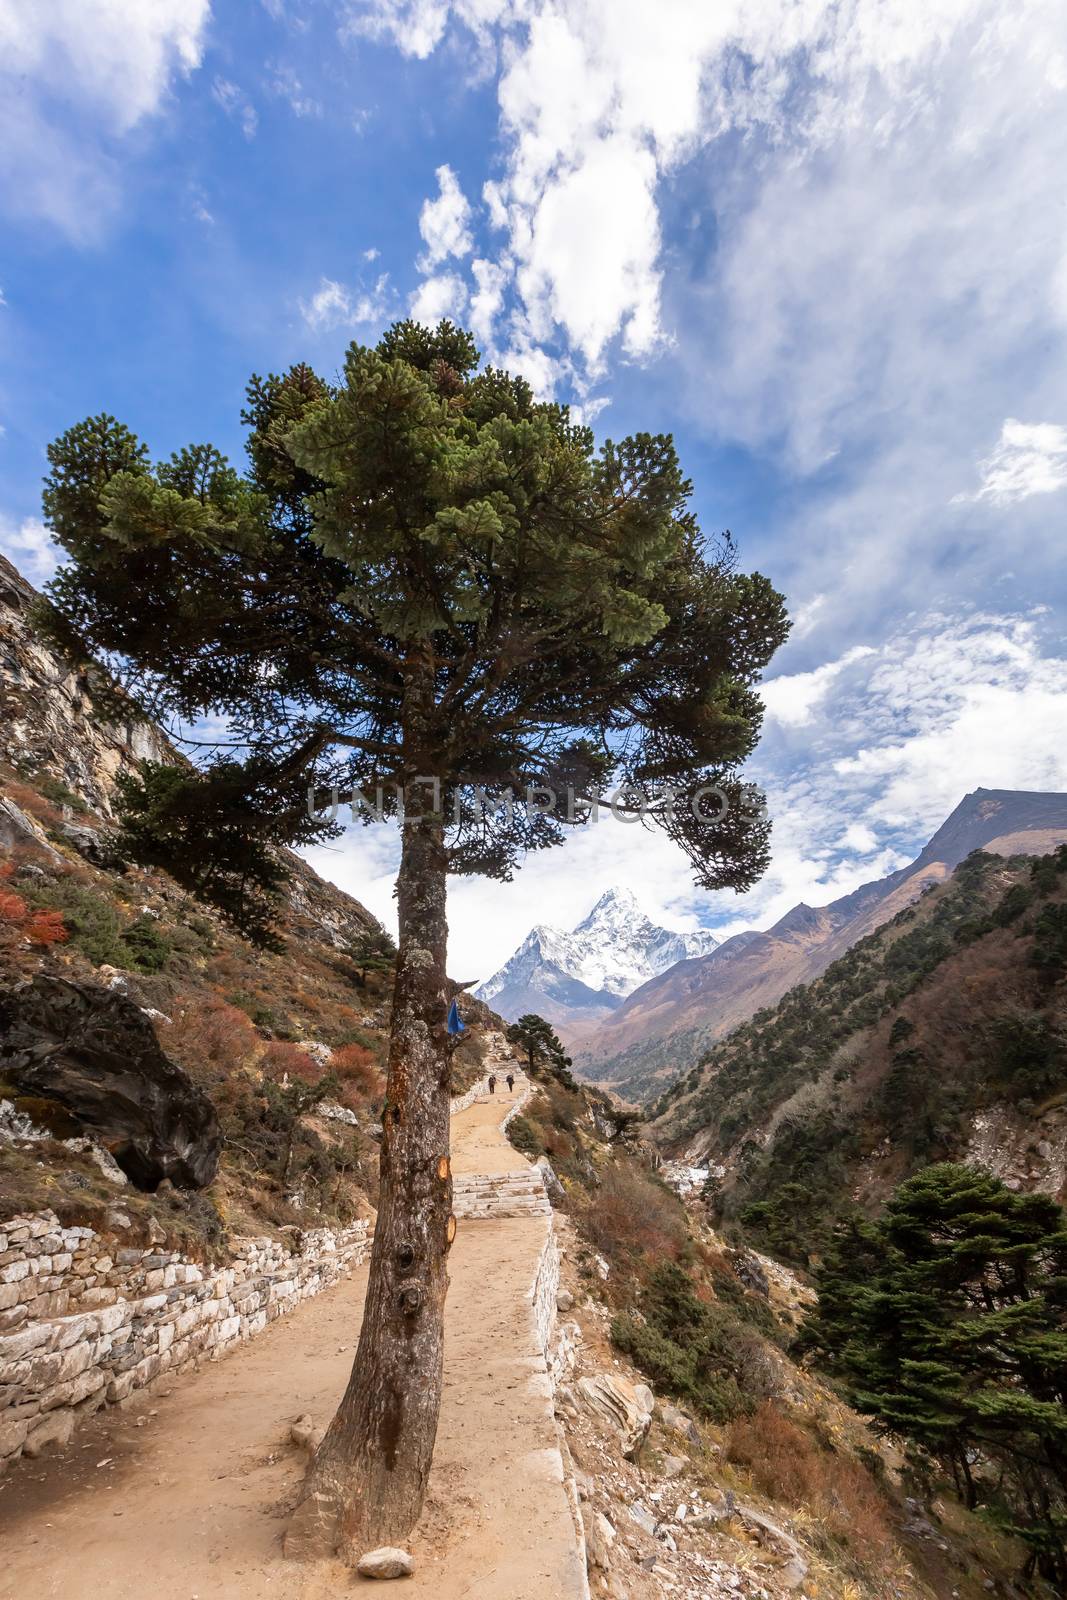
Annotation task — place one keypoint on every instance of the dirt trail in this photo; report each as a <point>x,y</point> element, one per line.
<point>185,1496</point>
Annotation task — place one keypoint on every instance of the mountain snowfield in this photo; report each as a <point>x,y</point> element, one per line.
<point>581,975</point>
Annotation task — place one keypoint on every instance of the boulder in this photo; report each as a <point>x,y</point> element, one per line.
<point>95,844</point>
<point>621,1404</point>
<point>51,1433</point>
<point>306,1435</point>
<point>17,827</point>
<point>774,1537</point>
<point>388,1562</point>
<point>599,1538</point>
<point>793,1574</point>
<point>644,1518</point>
<point>749,1269</point>
<point>91,1051</point>
<point>553,1188</point>
<point>679,1423</point>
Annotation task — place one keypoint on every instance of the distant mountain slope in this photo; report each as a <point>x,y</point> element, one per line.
<point>663,1027</point>
<point>580,976</point>
<point>942,1036</point>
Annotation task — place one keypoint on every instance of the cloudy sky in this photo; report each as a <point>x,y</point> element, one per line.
<point>826,246</point>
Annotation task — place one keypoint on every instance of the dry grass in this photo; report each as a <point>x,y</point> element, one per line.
<point>783,1461</point>
<point>361,1076</point>
<point>632,1215</point>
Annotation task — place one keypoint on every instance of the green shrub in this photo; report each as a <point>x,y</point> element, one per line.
<point>1030,1052</point>
<point>60,795</point>
<point>1049,954</point>
<point>98,930</point>
<point>95,926</point>
<point>148,948</point>
<point>699,1352</point>
<point>525,1137</point>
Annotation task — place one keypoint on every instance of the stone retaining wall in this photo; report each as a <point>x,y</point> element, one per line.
<point>469,1096</point>
<point>544,1292</point>
<point>558,1345</point>
<point>524,1100</point>
<point>84,1322</point>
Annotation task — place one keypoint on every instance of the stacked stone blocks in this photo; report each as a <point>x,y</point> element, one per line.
<point>84,1322</point>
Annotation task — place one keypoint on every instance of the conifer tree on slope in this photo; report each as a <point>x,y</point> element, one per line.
<point>424,571</point>
<point>947,1321</point>
<point>538,1038</point>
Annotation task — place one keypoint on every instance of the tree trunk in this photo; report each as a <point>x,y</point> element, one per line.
<point>366,1485</point>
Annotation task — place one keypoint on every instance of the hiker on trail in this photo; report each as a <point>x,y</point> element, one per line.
<point>492,1084</point>
<point>510,1081</point>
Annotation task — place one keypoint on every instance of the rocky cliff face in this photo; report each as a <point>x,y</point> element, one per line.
<point>50,714</point>
<point>91,1054</point>
<point>664,1026</point>
<point>582,975</point>
<point>70,733</point>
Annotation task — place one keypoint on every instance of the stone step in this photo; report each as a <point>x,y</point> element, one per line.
<point>500,1194</point>
<point>497,1187</point>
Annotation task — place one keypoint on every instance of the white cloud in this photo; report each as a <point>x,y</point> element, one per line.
<point>588,256</point>
<point>792,699</point>
<point>199,205</point>
<point>418,26</point>
<point>334,305</point>
<point>603,101</point>
<point>445,222</point>
<point>236,105</point>
<point>833,225</point>
<point>442,296</point>
<point>119,56</point>
<point>806,616</point>
<point>288,87</point>
<point>488,297</point>
<point>30,548</point>
<point>1030,458</point>
<point>73,73</point>
<point>944,706</point>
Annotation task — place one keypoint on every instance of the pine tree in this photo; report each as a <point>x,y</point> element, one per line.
<point>947,1321</point>
<point>539,1039</point>
<point>373,951</point>
<point>429,583</point>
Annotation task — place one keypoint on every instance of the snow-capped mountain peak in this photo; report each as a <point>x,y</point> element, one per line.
<point>586,972</point>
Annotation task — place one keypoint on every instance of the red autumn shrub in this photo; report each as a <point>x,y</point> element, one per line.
<point>212,1035</point>
<point>360,1074</point>
<point>18,921</point>
<point>13,908</point>
<point>788,1465</point>
<point>47,928</point>
<point>281,1059</point>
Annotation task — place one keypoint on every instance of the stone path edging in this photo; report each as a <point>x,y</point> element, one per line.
<point>84,1321</point>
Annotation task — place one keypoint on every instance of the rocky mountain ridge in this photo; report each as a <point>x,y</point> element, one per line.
<point>661,1029</point>
<point>581,975</point>
<point>940,1037</point>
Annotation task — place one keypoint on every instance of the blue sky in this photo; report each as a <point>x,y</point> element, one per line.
<point>825,246</point>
